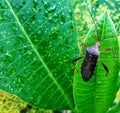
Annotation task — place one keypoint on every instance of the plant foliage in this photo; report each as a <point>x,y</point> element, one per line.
<point>37,44</point>
<point>97,95</point>
<point>38,41</point>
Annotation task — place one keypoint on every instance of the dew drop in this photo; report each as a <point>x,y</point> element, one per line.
<point>63,18</point>
<point>46,13</point>
<point>35,1</point>
<point>50,19</point>
<point>35,5</point>
<point>55,16</point>
<point>70,12</point>
<point>9,57</point>
<point>46,4</point>
<point>12,71</point>
<point>52,9</point>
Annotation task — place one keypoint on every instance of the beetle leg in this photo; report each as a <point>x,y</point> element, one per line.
<point>27,108</point>
<point>105,67</point>
<point>107,49</point>
<point>76,59</point>
<point>83,44</point>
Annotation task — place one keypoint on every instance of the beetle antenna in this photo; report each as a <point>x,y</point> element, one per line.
<point>92,19</point>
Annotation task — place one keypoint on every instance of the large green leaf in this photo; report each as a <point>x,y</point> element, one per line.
<point>97,95</point>
<point>37,43</point>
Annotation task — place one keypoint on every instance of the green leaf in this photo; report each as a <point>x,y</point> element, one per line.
<point>115,108</point>
<point>37,44</point>
<point>97,95</point>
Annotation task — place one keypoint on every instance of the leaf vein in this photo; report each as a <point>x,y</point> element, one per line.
<point>38,55</point>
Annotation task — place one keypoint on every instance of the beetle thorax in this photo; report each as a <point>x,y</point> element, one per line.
<point>94,49</point>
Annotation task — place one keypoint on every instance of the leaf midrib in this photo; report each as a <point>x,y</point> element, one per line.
<point>37,53</point>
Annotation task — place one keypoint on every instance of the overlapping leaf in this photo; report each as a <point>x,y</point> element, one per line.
<point>37,43</point>
<point>97,95</point>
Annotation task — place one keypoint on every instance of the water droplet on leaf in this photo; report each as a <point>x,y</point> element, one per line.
<point>55,16</point>
<point>45,3</point>
<point>9,57</point>
<point>63,18</point>
<point>70,12</point>
<point>46,13</point>
<point>52,9</point>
